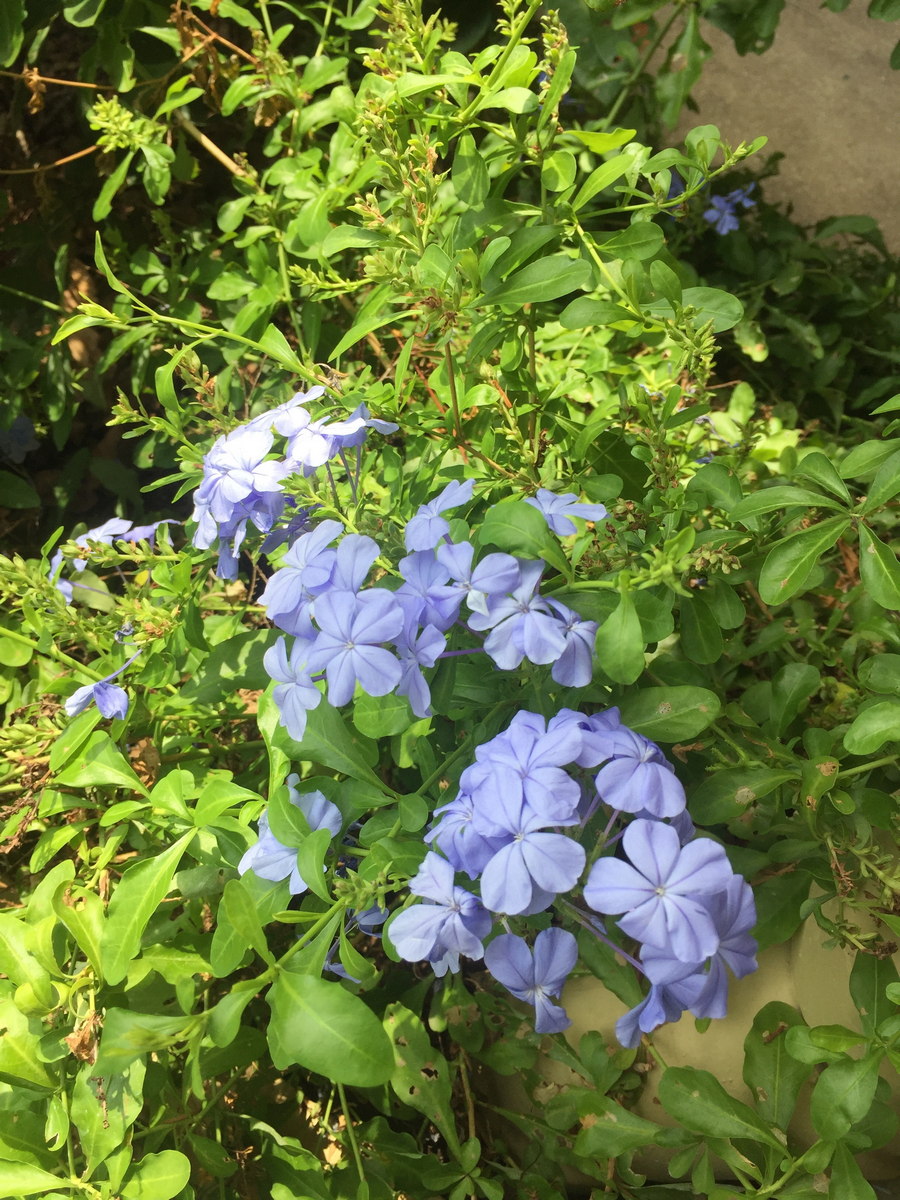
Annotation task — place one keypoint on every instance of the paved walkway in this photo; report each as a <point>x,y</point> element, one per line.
<point>825,95</point>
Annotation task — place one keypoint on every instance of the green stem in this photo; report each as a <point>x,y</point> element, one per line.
<point>33,299</point>
<point>639,70</point>
<point>51,652</point>
<point>887,761</point>
<point>515,37</point>
<point>351,1133</point>
<point>454,399</point>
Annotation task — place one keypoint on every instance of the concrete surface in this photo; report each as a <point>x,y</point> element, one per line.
<point>825,95</point>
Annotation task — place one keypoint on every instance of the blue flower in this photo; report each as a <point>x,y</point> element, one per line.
<point>525,764</point>
<point>18,439</point>
<point>657,1008</point>
<point>454,923</point>
<point>426,592</point>
<point>109,697</point>
<point>427,527</point>
<point>296,693</point>
<point>638,777</point>
<point>575,666</point>
<point>306,571</point>
<point>662,893</point>
<point>522,624</point>
<point>455,834</point>
<point>722,214</point>
<point>348,647</point>
<point>495,575</point>
<point>270,859</point>
<point>116,529</point>
<point>535,977</point>
<point>557,511</point>
<point>417,650</point>
<point>240,484</point>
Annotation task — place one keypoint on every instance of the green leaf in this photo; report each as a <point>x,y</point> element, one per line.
<point>869,981</point>
<point>878,569</point>
<point>771,1074</point>
<point>865,459</point>
<point>776,499</point>
<point>381,716</point>
<point>516,527</point>
<point>847,1180</point>
<point>105,1107</point>
<point>97,763</point>
<point>886,484</point>
<point>701,638</point>
<point>421,1075</point>
<point>111,186</point>
<point>12,19</point>
<point>584,312</point>
<point>127,1036</point>
<point>516,100</point>
<point>843,1095</point>
<point>366,322</point>
<point>546,279</point>
<point>670,714</point>
<point>602,143</point>
<point>273,342</point>
<point>620,642</point>
<point>602,177</point>
<point>324,1028</point>
<point>558,171</point>
<point>469,173</point>
<point>328,740</point>
<point>873,727</point>
<point>708,304</point>
<point>157,1176</point>
<point>881,674</point>
<point>83,12</point>
<point>81,911</point>
<point>821,470</point>
<point>19,1179</point>
<point>715,485</point>
<point>20,1064</point>
<point>790,561</point>
<point>792,687</point>
<point>17,492</point>
<point>701,1104</point>
<point>141,890</point>
<point>641,240</point>
<point>100,259</point>
<point>612,1130</point>
<point>238,910</point>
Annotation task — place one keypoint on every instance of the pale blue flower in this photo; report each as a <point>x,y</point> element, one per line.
<point>557,511</point>
<point>427,527</point>
<point>453,923</point>
<point>535,977</point>
<point>662,893</point>
<point>271,859</point>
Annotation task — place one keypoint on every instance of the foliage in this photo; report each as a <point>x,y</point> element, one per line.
<point>433,233</point>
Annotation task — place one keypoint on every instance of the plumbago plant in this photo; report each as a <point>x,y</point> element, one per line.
<point>320,787</point>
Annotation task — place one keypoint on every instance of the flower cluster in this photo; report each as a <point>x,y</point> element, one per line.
<point>534,794</point>
<point>382,637</point>
<point>243,484</point>
<point>722,213</point>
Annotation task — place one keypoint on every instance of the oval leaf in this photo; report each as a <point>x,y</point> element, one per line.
<point>327,1029</point>
<point>790,561</point>
<point>668,714</point>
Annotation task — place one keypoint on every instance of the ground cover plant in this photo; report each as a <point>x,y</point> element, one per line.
<point>472,632</point>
